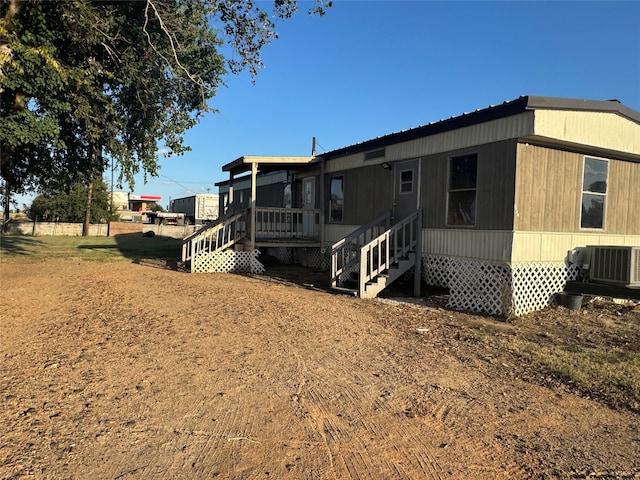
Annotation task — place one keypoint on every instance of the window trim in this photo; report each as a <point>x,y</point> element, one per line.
<point>413,181</point>
<point>449,190</point>
<point>587,192</point>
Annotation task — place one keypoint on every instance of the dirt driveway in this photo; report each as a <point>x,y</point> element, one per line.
<point>122,371</point>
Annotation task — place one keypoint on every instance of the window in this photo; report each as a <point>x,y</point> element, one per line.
<point>287,201</point>
<point>307,192</point>
<point>336,200</point>
<point>594,192</point>
<point>406,182</point>
<point>461,204</point>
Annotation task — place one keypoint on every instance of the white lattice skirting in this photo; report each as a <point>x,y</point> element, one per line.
<point>309,257</point>
<point>228,261</point>
<point>497,288</point>
<point>232,261</point>
<point>534,284</point>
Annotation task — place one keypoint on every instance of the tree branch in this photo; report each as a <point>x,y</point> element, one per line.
<point>195,79</point>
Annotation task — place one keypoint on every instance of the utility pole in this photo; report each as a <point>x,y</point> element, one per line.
<point>112,210</point>
<point>95,156</point>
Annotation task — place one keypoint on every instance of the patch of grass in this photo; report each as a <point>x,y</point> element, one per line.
<point>611,374</point>
<point>594,353</point>
<point>120,247</point>
<point>608,373</point>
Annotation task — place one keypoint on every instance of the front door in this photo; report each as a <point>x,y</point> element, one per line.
<point>308,206</point>
<point>407,189</point>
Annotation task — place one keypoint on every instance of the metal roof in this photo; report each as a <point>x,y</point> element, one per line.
<point>494,112</point>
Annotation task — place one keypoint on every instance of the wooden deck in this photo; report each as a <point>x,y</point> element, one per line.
<point>291,242</point>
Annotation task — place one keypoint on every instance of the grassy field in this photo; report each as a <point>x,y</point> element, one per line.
<point>121,247</point>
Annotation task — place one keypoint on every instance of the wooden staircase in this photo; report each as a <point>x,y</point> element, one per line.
<point>215,237</point>
<point>205,249</point>
<point>376,255</point>
<point>374,286</point>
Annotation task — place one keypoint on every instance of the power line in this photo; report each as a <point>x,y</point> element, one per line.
<point>318,144</point>
<point>180,185</point>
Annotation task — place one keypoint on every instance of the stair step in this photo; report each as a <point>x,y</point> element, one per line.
<point>350,291</point>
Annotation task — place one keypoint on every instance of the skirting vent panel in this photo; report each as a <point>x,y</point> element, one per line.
<point>228,261</point>
<point>309,257</point>
<point>497,288</point>
<point>534,284</point>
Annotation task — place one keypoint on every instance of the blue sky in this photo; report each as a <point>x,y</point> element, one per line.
<point>369,68</point>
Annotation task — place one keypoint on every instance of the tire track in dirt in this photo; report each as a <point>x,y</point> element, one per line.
<point>232,435</point>
<point>464,421</point>
<point>199,437</point>
<point>350,429</point>
<point>232,380</point>
<point>450,411</point>
<point>336,410</point>
<point>348,408</point>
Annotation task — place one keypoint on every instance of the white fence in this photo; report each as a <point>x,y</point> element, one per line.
<point>95,230</point>
<point>56,228</point>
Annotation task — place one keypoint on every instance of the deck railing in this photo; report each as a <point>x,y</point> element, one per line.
<point>273,222</point>
<point>389,248</point>
<point>216,236</point>
<point>345,254</point>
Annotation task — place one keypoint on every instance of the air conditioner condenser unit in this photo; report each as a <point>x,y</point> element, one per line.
<point>615,264</point>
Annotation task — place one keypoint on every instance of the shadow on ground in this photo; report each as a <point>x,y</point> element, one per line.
<point>156,251</point>
<point>314,279</point>
<point>18,244</point>
<point>298,275</point>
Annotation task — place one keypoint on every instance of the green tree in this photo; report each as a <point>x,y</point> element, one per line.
<point>70,206</point>
<point>85,81</point>
<point>156,207</point>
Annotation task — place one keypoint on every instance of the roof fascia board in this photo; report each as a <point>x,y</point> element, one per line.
<point>542,141</point>
<point>608,106</point>
<point>243,164</point>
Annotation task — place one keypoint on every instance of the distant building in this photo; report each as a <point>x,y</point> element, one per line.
<point>198,209</point>
<point>132,208</point>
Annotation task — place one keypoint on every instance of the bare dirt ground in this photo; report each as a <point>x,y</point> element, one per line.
<point>120,371</point>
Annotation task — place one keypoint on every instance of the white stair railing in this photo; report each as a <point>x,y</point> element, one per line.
<point>389,248</point>
<point>345,252</point>
<point>215,237</point>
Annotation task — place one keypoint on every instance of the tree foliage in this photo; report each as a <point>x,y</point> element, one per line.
<point>83,81</point>
<point>71,206</point>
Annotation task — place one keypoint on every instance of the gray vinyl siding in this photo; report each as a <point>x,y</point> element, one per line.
<point>369,190</point>
<point>368,193</point>
<point>494,188</point>
<point>267,196</point>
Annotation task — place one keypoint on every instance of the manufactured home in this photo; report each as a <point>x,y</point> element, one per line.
<point>498,205</point>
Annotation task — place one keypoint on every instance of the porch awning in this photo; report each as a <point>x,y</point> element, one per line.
<point>244,164</point>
